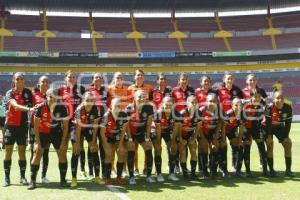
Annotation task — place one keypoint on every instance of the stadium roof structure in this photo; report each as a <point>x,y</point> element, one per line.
<point>146,5</point>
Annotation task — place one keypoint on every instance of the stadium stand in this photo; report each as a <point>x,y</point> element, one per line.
<point>24,44</point>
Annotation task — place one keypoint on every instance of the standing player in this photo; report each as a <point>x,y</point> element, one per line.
<point>211,126</point>
<point>18,103</point>
<point>51,125</point>
<point>278,122</point>
<point>182,92</point>
<point>39,96</point>
<point>161,90</point>
<point>190,125</point>
<point>86,127</point>
<point>227,93</point>
<point>117,89</point>
<point>140,119</point>
<point>71,94</point>
<point>113,127</point>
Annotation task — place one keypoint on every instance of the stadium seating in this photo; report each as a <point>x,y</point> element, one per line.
<point>24,44</point>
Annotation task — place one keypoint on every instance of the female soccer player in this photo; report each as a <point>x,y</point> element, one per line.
<point>190,125</point>
<point>140,119</point>
<point>86,127</point>
<point>253,112</point>
<point>39,96</point>
<point>139,84</point>
<point>18,103</point>
<point>233,130</point>
<point>166,127</point>
<point>278,122</point>
<point>211,125</point>
<point>251,86</point>
<point>99,92</point>
<point>227,93</point>
<point>71,94</point>
<point>113,127</point>
<point>51,123</point>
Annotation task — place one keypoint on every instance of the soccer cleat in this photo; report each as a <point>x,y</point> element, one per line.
<point>248,175</point>
<point>121,181</point>
<point>108,181</point>
<point>124,174</point>
<point>132,181</point>
<point>74,183</point>
<point>150,179</point>
<point>160,178</point>
<point>136,172</point>
<point>177,170</point>
<point>225,174</point>
<point>113,174</point>
<point>238,174</point>
<point>44,180</point>
<point>99,181</point>
<point>23,181</point>
<point>83,174</point>
<point>31,185</point>
<point>273,174</point>
<point>173,177</point>
<point>64,184</point>
<point>289,174</point>
<point>6,182</point>
<point>91,177</point>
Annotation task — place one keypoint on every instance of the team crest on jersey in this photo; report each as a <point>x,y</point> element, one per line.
<point>26,95</point>
<point>284,115</point>
<point>234,92</point>
<point>144,115</point>
<point>92,117</point>
<point>57,115</point>
<point>120,122</point>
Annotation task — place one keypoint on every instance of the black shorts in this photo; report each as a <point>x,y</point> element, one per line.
<point>15,134</point>
<point>211,135</point>
<point>139,138</point>
<point>85,134</point>
<point>233,134</point>
<point>113,139</point>
<point>2,120</point>
<point>280,134</point>
<point>166,136</point>
<point>55,137</point>
<point>255,134</point>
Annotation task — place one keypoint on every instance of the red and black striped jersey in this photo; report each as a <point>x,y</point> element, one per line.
<point>210,120</point>
<point>179,95</point>
<point>14,116</point>
<point>159,95</point>
<point>113,126</point>
<point>138,120</point>
<point>226,96</point>
<point>50,122</point>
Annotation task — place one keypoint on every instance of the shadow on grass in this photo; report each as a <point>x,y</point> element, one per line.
<point>231,181</point>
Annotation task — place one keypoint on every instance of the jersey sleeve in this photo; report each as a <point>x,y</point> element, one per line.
<point>38,112</point>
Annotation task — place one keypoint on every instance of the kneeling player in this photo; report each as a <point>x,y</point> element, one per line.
<point>51,124</point>
<point>113,127</point>
<point>278,122</point>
